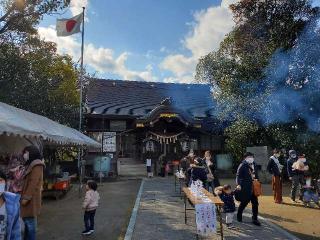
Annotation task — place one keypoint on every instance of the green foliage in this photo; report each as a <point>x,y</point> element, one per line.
<point>33,76</point>
<point>37,79</point>
<point>239,136</point>
<point>20,17</point>
<point>262,28</point>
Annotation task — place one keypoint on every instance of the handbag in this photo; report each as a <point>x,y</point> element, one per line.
<point>210,176</point>
<point>257,188</point>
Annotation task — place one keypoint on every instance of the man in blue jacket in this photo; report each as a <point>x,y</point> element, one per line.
<point>9,213</point>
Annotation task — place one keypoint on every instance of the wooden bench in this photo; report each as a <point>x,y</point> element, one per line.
<point>193,200</point>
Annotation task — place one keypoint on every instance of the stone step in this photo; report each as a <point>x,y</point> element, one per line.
<point>128,161</point>
<point>132,170</point>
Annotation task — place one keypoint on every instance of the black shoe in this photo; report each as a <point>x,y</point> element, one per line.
<point>293,200</point>
<point>239,218</point>
<point>86,232</point>
<point>256,222</point>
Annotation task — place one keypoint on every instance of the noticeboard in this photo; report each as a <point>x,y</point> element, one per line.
<point>109,142</point>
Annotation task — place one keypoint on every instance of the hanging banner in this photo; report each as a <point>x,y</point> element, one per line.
<point>109,142</point>
<point>206,219</point>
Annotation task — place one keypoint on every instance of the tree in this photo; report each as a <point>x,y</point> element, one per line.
<point>239,136</point>
<point>266,71</point>
<point>37,79</point>
<point>19,17</point>
<point>262,27</point>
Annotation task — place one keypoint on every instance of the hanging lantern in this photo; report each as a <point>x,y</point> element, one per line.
<point>150,146</point>
<point>185,146</point>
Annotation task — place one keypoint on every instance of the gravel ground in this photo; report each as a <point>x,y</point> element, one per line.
<point>63,219</point>
<point>295,218</point>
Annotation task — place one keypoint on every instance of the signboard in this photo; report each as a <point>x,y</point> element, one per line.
<point>206,219</point>
<point>139,125</point>
<point>109,142</point>
<point>169,115</point>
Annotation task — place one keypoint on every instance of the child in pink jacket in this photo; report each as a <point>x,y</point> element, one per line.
<point>90,204</point>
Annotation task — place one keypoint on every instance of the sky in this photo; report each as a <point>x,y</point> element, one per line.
<point>144,40</point>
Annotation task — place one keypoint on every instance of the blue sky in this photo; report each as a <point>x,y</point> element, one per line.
<point>147,40</point>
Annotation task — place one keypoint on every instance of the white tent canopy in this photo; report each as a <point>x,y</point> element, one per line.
<point>17,122</point>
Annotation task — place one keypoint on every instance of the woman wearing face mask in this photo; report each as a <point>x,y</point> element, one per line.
<point>186,163</point>
<point>212,178</point>
<point>9,212</point>
<point>247,172</point>
<point>31,191</point>
<point>275,168</point>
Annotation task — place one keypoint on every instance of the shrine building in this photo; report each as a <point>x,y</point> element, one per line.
<point>135,121</point>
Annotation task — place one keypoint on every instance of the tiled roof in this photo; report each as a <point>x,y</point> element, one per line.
<point>137,99</point>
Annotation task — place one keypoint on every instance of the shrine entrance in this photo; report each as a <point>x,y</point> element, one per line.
<point>169,134</point>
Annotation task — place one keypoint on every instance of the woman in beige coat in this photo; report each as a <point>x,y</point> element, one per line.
<point>31,191</point>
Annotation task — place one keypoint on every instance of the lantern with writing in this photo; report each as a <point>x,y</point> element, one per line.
<point>185,145</point>
<point>150,146</point>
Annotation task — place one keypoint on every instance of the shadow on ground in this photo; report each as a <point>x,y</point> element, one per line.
<point>63,219</point>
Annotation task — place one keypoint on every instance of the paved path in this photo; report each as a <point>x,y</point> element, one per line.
<point>63,219</point>
<point>161,216</point>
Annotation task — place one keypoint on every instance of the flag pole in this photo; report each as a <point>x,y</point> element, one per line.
<point>80,167</point>
<point>81,70</point>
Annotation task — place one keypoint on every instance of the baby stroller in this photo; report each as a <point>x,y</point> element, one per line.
<point>311,192</point>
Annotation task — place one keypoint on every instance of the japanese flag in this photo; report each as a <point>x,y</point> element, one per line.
<point>67,27</point>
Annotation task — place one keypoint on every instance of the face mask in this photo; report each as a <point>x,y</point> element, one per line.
<point>293,156</point>
<point>2,188</point>
<point>277,155</point>
<point>303,160</point>
<point>250,160</point>
<point>26,156</point>
<point>191,155</point>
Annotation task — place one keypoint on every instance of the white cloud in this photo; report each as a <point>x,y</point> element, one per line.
<point>67,45</point>
<point>99,58</point>
<point>163,49</point>
<point>76,6</point>
<point>210,27</point>
<point>184,79</point>
<point>179,64</point>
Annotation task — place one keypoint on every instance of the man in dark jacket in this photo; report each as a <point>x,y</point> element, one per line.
<point>198,171</point>
<point>296,176</point>
<point>247,172</point>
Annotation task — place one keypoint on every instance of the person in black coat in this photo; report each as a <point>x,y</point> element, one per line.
<point>212,177</point>
<point>198,171</point>
<point>247,172</point>
<point>185,165</point>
